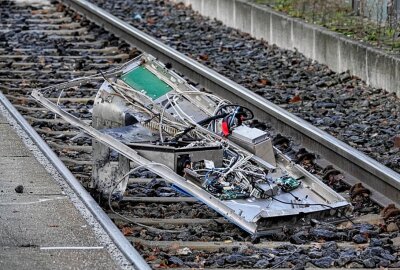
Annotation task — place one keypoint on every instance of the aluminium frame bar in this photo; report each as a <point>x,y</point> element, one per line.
<point>162,171</point>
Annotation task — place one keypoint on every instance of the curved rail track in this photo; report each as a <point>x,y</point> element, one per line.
<point>48,44</point>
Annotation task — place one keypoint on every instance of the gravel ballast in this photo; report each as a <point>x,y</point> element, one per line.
<point>343,105</point>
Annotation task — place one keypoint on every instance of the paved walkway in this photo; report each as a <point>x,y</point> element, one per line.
<point>40,228</point>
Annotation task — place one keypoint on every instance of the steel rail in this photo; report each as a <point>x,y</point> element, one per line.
<point>115,234</point>
<point>384,181</point>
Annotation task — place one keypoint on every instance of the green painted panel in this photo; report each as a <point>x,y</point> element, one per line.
<point>141,78</point>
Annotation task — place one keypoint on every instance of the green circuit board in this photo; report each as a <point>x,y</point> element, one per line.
<point>142,79</point>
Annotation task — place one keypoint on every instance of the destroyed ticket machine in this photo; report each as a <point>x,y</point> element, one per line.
<point>145,114</point>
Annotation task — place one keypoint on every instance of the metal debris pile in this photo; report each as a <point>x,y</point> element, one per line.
<point>202,144</point>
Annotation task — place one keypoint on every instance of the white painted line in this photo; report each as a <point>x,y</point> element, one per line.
<point>33,202</point>
<point>69,248</point>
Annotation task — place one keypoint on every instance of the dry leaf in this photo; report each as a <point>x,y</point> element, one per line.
<point>127,231</point>
<point>294,99</point>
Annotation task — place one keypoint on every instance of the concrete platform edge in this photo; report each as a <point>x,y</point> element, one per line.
<point>108,234</point>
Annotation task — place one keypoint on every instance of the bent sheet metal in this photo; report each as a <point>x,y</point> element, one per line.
<point>197,141</point>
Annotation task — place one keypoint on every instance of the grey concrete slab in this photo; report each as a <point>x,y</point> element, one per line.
<point>281,31</point>
<point>303,35</point>
<point>28,172</point>
<point>34,258</point>
<point>10,144</point>
<point>196,5</point>
<point>261,24</point>
<point>213,12</point>
<point>353,58</point>
<point>243,16</point>
<point>381,70</point>
<point>327,49</point>
<point>226,12</point>
<point>3,120</point>
<point>42,221</point>
<point>40,228</point>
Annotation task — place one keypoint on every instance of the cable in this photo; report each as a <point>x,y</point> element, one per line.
<point>174,106</point>
<point>232,120</point>
<point>132,90</point>
<point>202,132</point>
<point>252,173</point>
<point>128,219</point>
<point>308,204</point>
<point>161,122</point>
<point>241,110</point>
<point>201,122</point>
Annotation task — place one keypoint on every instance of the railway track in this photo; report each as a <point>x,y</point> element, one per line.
<point>48,43</point>
<point>373,174</point>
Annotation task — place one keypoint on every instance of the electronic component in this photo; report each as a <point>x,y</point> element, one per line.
<point>288,183</point>
<point>248,135</point>
<point>265,190</point>
<point>179,158</point>
<point>255,141</point>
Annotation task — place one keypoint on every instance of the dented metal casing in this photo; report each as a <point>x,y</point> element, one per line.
<point>140,125</point>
